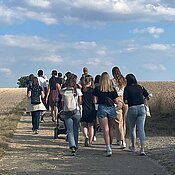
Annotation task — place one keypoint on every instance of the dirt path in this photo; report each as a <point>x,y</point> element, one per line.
<point>40,154</point>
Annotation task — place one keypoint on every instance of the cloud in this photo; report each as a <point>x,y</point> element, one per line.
<point>50,58</point>
<point>18,14</point>
<point>154,31</point>
<point>6,71</point>
<point>155,67</point>
<point>85,45</point>
<point>84,12</point>
<point>98,62</point>
<point>161,47</point>
<point>23,41</point>
<point>39,3</point>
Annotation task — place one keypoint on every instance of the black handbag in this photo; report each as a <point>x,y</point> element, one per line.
<point>35,100</point>
<point>35,95</point>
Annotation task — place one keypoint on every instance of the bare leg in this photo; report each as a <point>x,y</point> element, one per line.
<point>91,132</point>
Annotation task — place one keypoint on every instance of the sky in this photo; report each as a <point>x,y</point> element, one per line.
<point>67,35</point>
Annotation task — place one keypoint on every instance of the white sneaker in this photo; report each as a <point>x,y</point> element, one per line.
<point>95,139</point>
<point>142,152</point>
<point>109,151</point>
<point>123,145</point>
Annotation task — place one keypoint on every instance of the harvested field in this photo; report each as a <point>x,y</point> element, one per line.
<point>12,106</point>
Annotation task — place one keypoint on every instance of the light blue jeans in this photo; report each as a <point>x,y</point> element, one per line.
<point>72,125</point>
<point>136,117</point>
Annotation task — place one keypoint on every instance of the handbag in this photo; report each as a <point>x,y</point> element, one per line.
<point>148,114</point>
<point>35,100</point>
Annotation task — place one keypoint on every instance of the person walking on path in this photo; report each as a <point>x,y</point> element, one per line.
<point>134,95</point>
<point>105,96</point>
<point>72,118</point>
<point>88,111</point>
<point>43,83</point>
<point>119,83</point>
<point>53,94</point>
<point>35,107</point>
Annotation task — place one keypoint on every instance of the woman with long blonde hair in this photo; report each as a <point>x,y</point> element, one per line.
<point>119,83</point>
<point>106,96</point>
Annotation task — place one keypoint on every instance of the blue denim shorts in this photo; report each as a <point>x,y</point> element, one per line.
<point>106,111</point>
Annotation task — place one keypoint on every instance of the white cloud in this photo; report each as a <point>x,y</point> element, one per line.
<point>50,59</point>
<point>154,31</point>
<point>161,47</point>
<point>24,41</point>
<point>155,67</point>
<point>18,14</point>
<point>39,3</point>
<point>6,71</point>
<point>99,62</point>
<point>85,45</point>
<point>99,11</point>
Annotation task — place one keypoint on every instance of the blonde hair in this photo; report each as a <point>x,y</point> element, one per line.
<point>105,83</point>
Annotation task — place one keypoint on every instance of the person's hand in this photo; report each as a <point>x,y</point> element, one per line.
<point>119,105</point>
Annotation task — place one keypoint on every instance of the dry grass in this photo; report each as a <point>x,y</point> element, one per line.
<point>12,106</point>
<point>162,106</point>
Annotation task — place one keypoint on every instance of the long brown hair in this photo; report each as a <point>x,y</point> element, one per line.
<point>71,82</point>
<point>35,81</point>
<point>88,82</point>
<point>118,77</point>
<point>105,83</point>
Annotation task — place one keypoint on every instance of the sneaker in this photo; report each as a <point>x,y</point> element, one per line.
<point>73,151</point>
<point>142,152</point>
<point>36,131</point>
<point>132,149</point>
<point>109,151</point>
<point>119,142</point>
<point>95,139</point>
<point>86,142</point>
<point>123,145</point>
<point>42,121</point>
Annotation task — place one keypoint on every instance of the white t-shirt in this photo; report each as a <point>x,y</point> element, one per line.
<point>119,91</point>
<point>42,82</point>
<point>79,93</point>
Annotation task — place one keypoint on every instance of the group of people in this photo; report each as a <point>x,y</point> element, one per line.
<point>109,102</point>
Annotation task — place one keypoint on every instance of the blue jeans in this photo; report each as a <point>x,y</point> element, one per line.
<point>72,125</point>
<point>136,117</point>
<point>106,111</point>
<point>35,120</point>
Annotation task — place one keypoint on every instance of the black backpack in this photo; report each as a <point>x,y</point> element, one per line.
<point>35,95</point>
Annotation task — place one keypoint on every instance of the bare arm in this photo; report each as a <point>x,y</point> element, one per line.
<point>95,99</point>
<point>29,94</point>
<point>119,103</point>
<point>42,94</point>
<point>80,100</point>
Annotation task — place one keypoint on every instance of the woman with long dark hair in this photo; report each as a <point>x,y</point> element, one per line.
<point>119,83</point>
<point>134,95</point>
<point>35,109</point>
<point>72,121</point>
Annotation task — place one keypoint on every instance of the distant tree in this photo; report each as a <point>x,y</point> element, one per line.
<point>22,82</point>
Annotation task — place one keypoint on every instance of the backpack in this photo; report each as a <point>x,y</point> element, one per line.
<point>35,95</point>
<point>69,101</point>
